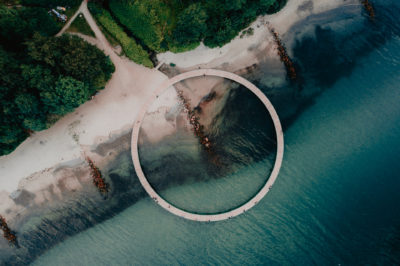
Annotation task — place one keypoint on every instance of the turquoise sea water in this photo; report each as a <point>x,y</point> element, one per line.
<point>224,177</point>
<point>336,200</point>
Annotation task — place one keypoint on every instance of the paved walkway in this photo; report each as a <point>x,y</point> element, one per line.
<point>207,217</point>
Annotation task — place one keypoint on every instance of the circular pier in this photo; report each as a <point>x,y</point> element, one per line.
<point>218,216</point>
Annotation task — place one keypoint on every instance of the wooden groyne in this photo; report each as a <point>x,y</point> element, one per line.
<point>7,233</point>
<point>290,69</point>
<point>97,178</point>
<point>369,8</point>
<point>194,121</point>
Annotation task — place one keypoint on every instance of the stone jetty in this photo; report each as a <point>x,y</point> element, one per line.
<point>98,179</point>
<point>290,69</point>
<point>7,233</point>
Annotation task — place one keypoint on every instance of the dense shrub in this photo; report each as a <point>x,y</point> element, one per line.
<point>51,3</point>
<point>191,25</point>
<point>148,20</point>
<point>18,24</point>
<point>227,18</point>
<point>131,49</point>
<point>47,78</point>
<point>80,25</point>
<point>179,25</point>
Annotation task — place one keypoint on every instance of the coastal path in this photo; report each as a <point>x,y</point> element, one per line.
<point>207,217</point>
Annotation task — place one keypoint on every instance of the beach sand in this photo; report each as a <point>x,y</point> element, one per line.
<point>244,52</point>
<point>111,113</point>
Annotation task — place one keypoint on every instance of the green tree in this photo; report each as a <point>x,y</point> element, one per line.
<point>11,133</point>
<point>149,20</point>
<point>37,76</point>
<point>51,3</point>
<point>8,70</point>
<point>27,104</point>
<point>42,77</point>
<point>67,94</point>
<point>71,56</point>
<point>131,48</point>
<point>35,123</point>
<point>84,62</point>
<point>44,50</point>
<point>191,25</point>
<point>19,24</point>
<point>235,4</point>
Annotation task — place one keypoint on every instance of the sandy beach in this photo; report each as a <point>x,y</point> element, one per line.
<point>243,52</point>
<point>111,113</point>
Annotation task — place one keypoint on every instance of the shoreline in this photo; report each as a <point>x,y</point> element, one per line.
<point>244,52</point>
<point>36,163</point>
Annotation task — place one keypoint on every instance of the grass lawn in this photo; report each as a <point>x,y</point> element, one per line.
<point>80,25</point>
<point>69,13</point>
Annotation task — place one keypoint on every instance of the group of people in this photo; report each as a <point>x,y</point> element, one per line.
<point>194,121</point>
<point>7,233</point>
<point>98,180</point>
<point>291,71</point>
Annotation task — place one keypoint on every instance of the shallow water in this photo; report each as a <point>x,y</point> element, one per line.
<point>223,177</point>
<point>336,198</point>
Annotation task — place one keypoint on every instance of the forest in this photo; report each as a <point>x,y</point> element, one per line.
<point>179,25</point>
<point>42,77</point>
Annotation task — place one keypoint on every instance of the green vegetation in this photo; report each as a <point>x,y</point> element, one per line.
<point>148,20</point>
<point>51,3</point>
<point>247,32</point>
<point>191,26</point>
<point>131,49</point>
<point>109,37</point>
<point>180,25</point>
<point>80,25</point>
<point>42,77</point>
<point>17,24</point>
<point>10,2</point>
<point>71,6</point>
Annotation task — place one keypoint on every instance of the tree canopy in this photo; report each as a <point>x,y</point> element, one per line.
<point>180,24</point>
<point>191,25</point>
<point>42,77</point>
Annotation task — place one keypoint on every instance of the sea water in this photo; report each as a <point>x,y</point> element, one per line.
<point>336,199</point>
<point>224,176</point>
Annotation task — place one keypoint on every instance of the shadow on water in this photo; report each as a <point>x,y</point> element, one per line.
<point>241,133</point>
<point>46,228</point>
<point>323,59</point>
<point>328,55</point>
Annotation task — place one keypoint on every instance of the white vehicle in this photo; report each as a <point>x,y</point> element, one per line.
<point>62,17</point>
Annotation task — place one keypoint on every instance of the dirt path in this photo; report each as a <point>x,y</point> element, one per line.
<point>111,111</point>
<point>104,44</point>
<point>69,22</point>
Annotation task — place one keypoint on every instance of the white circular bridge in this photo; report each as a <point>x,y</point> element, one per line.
<point>218,216</point>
